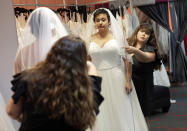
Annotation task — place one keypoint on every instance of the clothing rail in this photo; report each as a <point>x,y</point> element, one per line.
<point>64,2</point>
<point>60,5</point>
<point>76,3</point>
<point>36,1</point>
<point>49,5</point>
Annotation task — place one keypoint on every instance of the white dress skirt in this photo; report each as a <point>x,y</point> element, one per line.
<point>119,111</point>
<point>5,122</point>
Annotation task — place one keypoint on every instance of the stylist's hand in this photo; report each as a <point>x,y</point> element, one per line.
<point>91,69</point>
<point>130,49</point>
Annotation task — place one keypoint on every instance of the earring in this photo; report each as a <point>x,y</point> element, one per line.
<point>109,26</point>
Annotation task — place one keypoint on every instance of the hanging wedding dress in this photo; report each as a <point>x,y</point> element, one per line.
<point>119,111</point>
<point>22,21</point>
<point>162,37</point>
<point>163,40</point>
<point>5,121</point>
<point>127,23</point>
<point>75,24</point>
<point>130,21</point>
<point>19,31</point>
<point>77,27</point>
<point>135,20</point>
<point>43,28</point>
<point>81,26</point>
<point>161,76</point>
<point>64,22</point>
<point>119,20</point>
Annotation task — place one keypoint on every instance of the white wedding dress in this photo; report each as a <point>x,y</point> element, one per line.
<point>5,121</point>
<point>119,111</point>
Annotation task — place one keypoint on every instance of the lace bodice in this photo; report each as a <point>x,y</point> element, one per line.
<point>105,57</point>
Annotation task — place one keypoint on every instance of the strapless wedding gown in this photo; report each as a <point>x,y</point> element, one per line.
<point>119,111</point>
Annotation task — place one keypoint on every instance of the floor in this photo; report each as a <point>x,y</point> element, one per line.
<point>176,118</point>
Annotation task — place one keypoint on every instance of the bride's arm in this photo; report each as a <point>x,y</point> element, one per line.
<point>92,71</point>
<point>128,75</point>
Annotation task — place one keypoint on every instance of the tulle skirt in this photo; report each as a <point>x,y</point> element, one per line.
<point>119,111</point>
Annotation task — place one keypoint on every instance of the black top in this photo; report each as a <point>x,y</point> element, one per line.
<point>139,67</point>
<point>38,121</point>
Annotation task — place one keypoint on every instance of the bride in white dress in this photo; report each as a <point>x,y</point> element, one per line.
<point>42,29</point>
<point>120,110</point>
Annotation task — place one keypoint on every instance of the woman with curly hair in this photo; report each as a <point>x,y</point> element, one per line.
<point>56,94</point>
<point>144,52</point>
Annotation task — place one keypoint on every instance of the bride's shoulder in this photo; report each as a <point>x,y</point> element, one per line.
<point>94,37</point>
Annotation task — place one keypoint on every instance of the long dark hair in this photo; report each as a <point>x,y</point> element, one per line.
<point>61,86</point>
<point>101,11</point>
<point>147,28</point>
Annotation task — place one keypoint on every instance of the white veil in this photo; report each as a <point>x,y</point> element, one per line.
<point>43,28</point>
<point>115,28</point>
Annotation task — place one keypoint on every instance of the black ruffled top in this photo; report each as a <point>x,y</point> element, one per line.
<point>38,121</point>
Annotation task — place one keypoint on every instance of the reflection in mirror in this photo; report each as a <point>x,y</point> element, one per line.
<point>75,18</point>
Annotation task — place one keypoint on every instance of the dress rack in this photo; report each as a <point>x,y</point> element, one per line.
<point>64,4</point>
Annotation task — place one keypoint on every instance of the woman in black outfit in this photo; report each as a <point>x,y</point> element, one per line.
<point>56,94</point>
<point>143,48</point>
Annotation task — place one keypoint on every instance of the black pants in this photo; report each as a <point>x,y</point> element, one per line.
<point>144,86</point>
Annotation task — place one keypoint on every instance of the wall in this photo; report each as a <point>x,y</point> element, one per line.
<point>8,43</point>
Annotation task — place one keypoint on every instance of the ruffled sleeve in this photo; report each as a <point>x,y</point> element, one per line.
<point>148,48</point>
<point>96,87</point>
<point>18,87</point>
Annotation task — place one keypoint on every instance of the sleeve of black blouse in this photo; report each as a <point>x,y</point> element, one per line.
<point>18,87</point>
<point>96,87</point>
<point>149,48</point>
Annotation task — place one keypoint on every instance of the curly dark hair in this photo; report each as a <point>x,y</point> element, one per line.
<point>101,11</point>
<point>147,28</point>
<point>61,86</point>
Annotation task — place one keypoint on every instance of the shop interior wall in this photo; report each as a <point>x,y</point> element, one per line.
<point>8,43</point>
